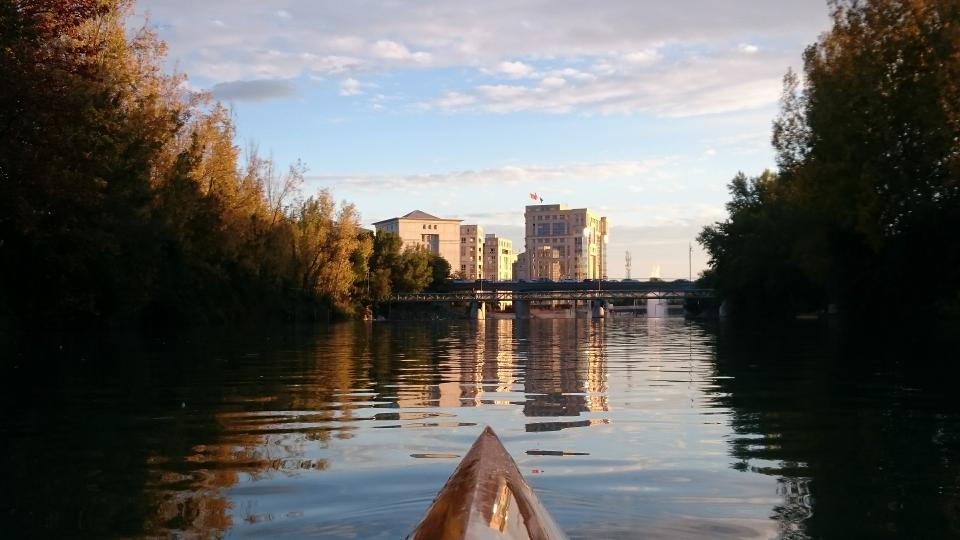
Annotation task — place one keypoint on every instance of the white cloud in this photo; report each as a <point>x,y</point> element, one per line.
<point>553,82</point>
<point>642,57</point>
<point>705,85</point>
<point>648,170</point>
<point>350,87</point>
<point>628,57</point>
<point>455,100</point>
<point>391,50</point>
<point>514,70</point>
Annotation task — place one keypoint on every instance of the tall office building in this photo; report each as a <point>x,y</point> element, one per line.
<point>437,235</point>
<point>471,252</point>
<point>498,258</point>
<point>579,236</point>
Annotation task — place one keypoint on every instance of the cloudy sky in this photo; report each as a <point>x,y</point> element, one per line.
<point>642,110</point>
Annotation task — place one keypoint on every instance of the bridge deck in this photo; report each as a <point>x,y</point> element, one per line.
<point>665,293</point>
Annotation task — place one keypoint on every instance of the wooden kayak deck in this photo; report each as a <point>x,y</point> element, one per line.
<point>487,498</point>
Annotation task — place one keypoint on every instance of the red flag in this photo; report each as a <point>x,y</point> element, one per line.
<point>534,196</point>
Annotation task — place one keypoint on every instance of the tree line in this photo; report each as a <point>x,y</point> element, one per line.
<point>863,211</point>
<point>124,196</point>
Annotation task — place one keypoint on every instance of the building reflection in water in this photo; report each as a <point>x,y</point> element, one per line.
<point>550,368</point>
<point>565,368</point>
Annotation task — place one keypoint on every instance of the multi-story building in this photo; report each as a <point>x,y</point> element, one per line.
<point>520,270</point>
<point>471,252</point>
<point>498,258</point>
<point>579,236</point>
<point>437,235</point>
<point>544,263</point>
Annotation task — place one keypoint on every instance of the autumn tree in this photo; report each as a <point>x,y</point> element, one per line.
<point>123,196</point>
<point>83,111</point>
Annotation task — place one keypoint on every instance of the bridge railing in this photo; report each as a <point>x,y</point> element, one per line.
<point>507,295</point>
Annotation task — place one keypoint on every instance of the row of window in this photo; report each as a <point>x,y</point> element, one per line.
<point>549,229</point>
<point>561,217</point>
<point>429,226</point>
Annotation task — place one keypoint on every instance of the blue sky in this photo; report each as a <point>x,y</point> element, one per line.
<point>640,110</point>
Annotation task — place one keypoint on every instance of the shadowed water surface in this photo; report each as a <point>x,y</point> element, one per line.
<point>641,428</point>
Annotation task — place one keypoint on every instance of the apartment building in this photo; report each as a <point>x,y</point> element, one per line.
<point>544,263</point>
<point>498,258</point>
<point>437,235</point>
<point>471,252</point>
<point>520,270</point>
<point>579,235</point>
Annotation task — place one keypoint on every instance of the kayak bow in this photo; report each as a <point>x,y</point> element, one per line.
<point>487,498</point>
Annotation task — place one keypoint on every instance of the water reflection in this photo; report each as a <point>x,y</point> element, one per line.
<point>664,426</point>
<point>565,369</point>
<point>864,444</point>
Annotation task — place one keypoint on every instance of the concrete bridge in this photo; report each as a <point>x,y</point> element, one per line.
<point>593,295</point>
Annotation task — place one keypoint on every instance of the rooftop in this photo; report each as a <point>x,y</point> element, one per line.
<point>420,215</point>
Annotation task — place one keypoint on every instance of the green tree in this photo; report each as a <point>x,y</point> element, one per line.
<point>412,272</point>
<point>867,198</point>
<point>439,272</point>
<point>384,259</point>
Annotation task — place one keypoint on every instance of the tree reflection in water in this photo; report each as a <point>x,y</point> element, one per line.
<point>861,431</point>
<point>285,432</point>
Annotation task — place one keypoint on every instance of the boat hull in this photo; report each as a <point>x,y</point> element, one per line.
<point>487,498</point>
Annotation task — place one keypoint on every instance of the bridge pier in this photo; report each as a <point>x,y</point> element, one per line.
<point>521,309</point>
<point>586,313</point>
<point>478,310</point>
<point>598,308</point>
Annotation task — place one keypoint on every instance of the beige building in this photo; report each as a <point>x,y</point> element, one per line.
<point>498,258</point>
<point>471,252</point>
<point>578,235</point>
<point>520,270</point>
<point>437,235</point>
<point>544,263</point>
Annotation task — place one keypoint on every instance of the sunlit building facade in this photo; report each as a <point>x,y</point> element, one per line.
<point>579,235</point>
<point>544,263</point>
<point>419,229</point>
<point>471,251</point>
<point>498,258</point>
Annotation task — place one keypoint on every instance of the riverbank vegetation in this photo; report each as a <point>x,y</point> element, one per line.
<point>125,199</point>
<point>864,209</point>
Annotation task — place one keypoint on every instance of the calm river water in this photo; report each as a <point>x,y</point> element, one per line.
<point>675,429</point>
